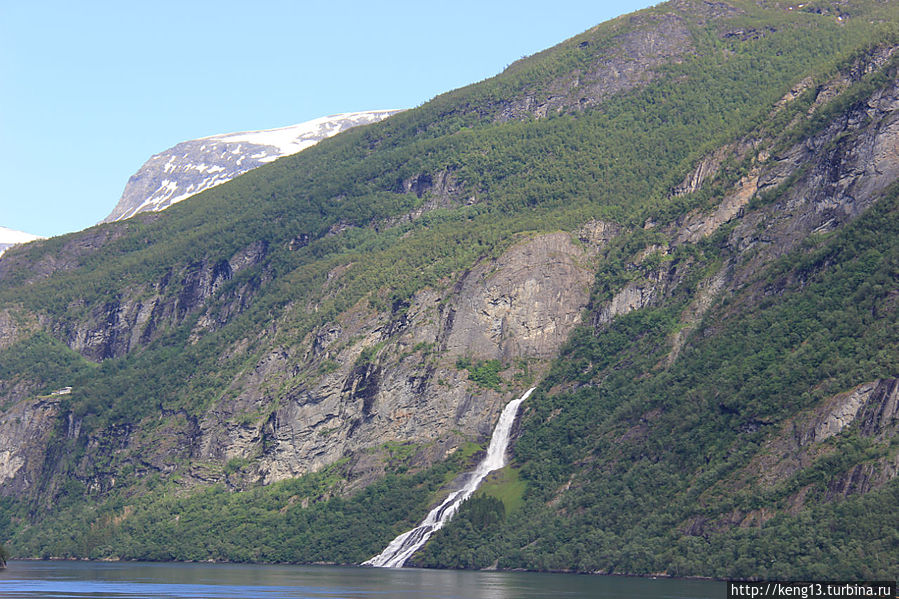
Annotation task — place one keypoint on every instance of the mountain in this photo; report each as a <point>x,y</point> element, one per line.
<point>10,237</point>
<point>196,165</point>
<point>680,226</point>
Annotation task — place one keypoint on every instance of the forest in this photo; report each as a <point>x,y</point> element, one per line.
<point>631,457</point>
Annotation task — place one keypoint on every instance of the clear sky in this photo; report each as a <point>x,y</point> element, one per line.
<point>90,90</point>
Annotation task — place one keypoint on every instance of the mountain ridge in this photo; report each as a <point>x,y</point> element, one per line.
<point>190,167</point>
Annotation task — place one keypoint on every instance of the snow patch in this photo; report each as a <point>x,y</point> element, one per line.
<point>295,138</point>
<point>13,236</point>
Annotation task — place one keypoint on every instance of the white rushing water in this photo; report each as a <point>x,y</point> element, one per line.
<point>401,548</point>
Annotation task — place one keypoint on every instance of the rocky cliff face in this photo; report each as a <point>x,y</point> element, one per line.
<point>649,42</point>
<point>365,379</point>
<point>27,428</point>
<point>810,438</point>
<point>828,179</point>
<point>193,166</point>
<point>138,315</point>
<point>411,390</point>
<point>870,407</point>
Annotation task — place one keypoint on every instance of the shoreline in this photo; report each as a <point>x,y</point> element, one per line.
<point>656,576</point>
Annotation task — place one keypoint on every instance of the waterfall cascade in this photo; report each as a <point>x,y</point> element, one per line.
<point>401,548</point>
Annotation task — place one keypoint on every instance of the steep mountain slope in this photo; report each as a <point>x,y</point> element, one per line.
<point>680,223</point>
<point>193,166</point>
<point>10,237</point>
<point>739,372</point>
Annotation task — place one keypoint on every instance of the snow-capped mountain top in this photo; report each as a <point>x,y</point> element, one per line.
<point>10,237</point>
<point>196,165</point>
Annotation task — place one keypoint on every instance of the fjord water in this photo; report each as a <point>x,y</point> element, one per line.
<point>401,548</point>
<point>121,580</point>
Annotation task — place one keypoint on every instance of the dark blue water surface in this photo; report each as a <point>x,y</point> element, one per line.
<point>144,580</point>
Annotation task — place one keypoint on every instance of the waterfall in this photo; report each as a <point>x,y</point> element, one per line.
<point>401,548</point>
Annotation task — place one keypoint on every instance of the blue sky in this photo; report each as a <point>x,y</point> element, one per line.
<point>90,90</point>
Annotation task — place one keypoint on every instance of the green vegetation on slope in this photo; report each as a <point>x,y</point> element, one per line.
<point>639,448</point>
<point>294,521</point>
<point>43,358</point>
<point>616,163</point>
<point>651,456</point>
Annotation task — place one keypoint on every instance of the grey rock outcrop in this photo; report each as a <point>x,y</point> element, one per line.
<point>140,314</point>
<point>523,305</point>
<point>832,176</point>
<point>393,376</point>
<point>653,42</point>
<point>27,428</point>
<point>872,408</point>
